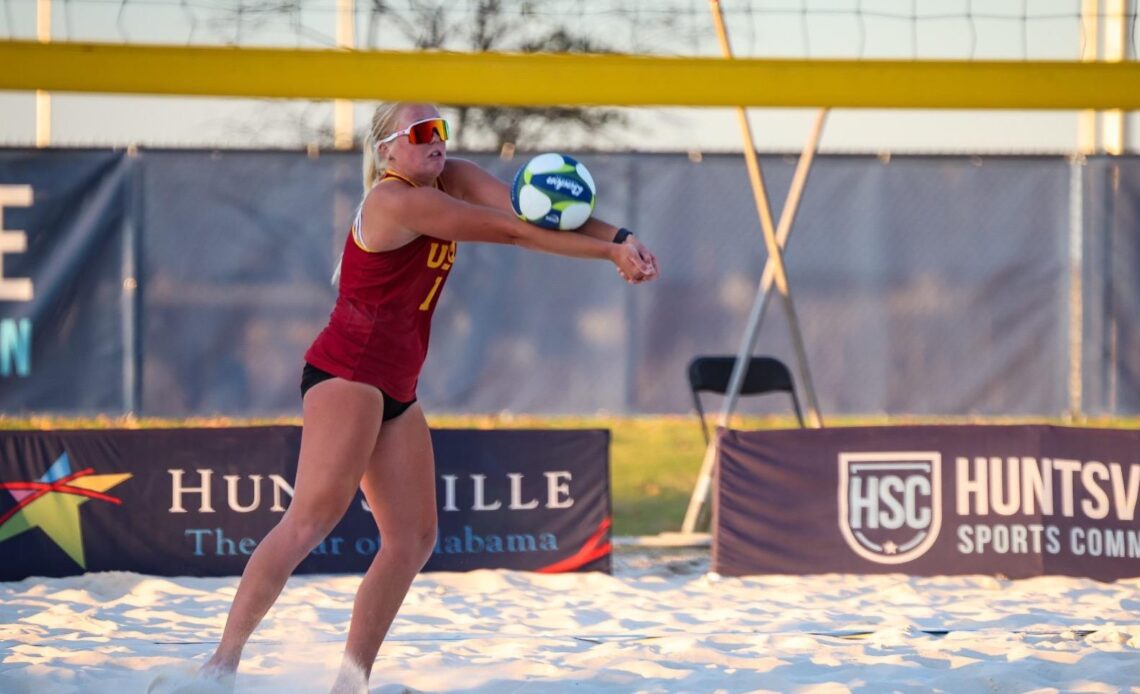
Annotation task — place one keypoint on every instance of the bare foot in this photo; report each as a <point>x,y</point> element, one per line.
<point>219,667</point>
<point>350,680</point>
<point>221,678</point>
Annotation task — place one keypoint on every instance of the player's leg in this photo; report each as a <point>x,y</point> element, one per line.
<point>399,485</point>
<point>341,424</point>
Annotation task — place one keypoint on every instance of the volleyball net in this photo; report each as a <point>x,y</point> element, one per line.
<point>889,65</point>
<point>299,55</point>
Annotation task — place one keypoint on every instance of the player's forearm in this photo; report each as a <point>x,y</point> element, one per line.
<point>596,228</point>
<point>563,243</point>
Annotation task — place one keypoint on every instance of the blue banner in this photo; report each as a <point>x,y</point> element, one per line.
<point>1015,501</point>
<point>195,502</point>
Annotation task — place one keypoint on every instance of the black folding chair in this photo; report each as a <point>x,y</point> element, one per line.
<point>764,375</point>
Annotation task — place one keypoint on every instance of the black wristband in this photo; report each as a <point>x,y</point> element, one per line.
<point>622,234</point>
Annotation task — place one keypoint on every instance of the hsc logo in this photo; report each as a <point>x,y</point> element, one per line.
<point>890,504</point>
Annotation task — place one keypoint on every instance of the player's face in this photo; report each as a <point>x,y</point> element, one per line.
<point>424,160</point>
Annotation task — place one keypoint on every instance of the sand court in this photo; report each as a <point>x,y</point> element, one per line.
<point>661,623</point>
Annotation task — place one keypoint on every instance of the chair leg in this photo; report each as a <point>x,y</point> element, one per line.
<point>701,417</point>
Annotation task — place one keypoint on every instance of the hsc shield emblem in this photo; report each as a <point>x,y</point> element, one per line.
<point>890,504</point>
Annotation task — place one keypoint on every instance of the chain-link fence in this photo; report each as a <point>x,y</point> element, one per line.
<point>925,285</point>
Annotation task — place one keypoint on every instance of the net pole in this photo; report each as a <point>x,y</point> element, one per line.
<point>774,271</point>
<point>1115,51</point>
<point>1087,119</point>
<point>342,108</point>
<point>1075,381</point>
<point>43,98</point>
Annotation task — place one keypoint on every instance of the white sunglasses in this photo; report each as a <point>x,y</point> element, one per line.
<point>422,131</point>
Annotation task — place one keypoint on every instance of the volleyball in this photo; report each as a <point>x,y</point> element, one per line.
<point>553,191</point>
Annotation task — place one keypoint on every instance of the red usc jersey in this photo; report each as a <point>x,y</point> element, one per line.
<point>378,331</point>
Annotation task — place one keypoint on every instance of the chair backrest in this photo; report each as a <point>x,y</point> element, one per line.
<point>765,375</point>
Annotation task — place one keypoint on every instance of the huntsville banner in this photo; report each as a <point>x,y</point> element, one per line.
<point>195,502</point>
<point>1014,501</point>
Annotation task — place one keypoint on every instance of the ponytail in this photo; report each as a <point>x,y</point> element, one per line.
<point>373,165</point>
<point>383,123</point>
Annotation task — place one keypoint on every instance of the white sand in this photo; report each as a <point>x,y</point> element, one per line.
<point>661,624</point>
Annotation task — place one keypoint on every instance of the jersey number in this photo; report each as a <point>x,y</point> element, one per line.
<point>426,305</point>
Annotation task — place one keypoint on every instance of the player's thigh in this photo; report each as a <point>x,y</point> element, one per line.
<point>399,482</point>
<point>342,422</point>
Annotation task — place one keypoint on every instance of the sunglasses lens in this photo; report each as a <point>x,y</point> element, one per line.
<point>422,132</point>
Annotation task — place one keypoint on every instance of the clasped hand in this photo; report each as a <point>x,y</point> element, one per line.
<point>635,263</point>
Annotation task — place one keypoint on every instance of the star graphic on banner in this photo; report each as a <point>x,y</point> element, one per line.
<point>890,547</point>
<point>52,503</point>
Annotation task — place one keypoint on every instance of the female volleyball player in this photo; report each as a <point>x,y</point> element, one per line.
<point>362,425</point>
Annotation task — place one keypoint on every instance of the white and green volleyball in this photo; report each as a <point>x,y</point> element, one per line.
<point>553,191</point>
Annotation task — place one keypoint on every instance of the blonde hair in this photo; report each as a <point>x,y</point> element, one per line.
<point>383,124</point>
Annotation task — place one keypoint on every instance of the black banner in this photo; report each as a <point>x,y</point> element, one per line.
<point>65,290</point>
<point>195,502</point>
<point>1015,501</point>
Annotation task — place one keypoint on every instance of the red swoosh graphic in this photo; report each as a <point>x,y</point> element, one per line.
<point>591,551</point>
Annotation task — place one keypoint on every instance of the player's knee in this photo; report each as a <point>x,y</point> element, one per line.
<point>307,530</point>
<point>413,546</point>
